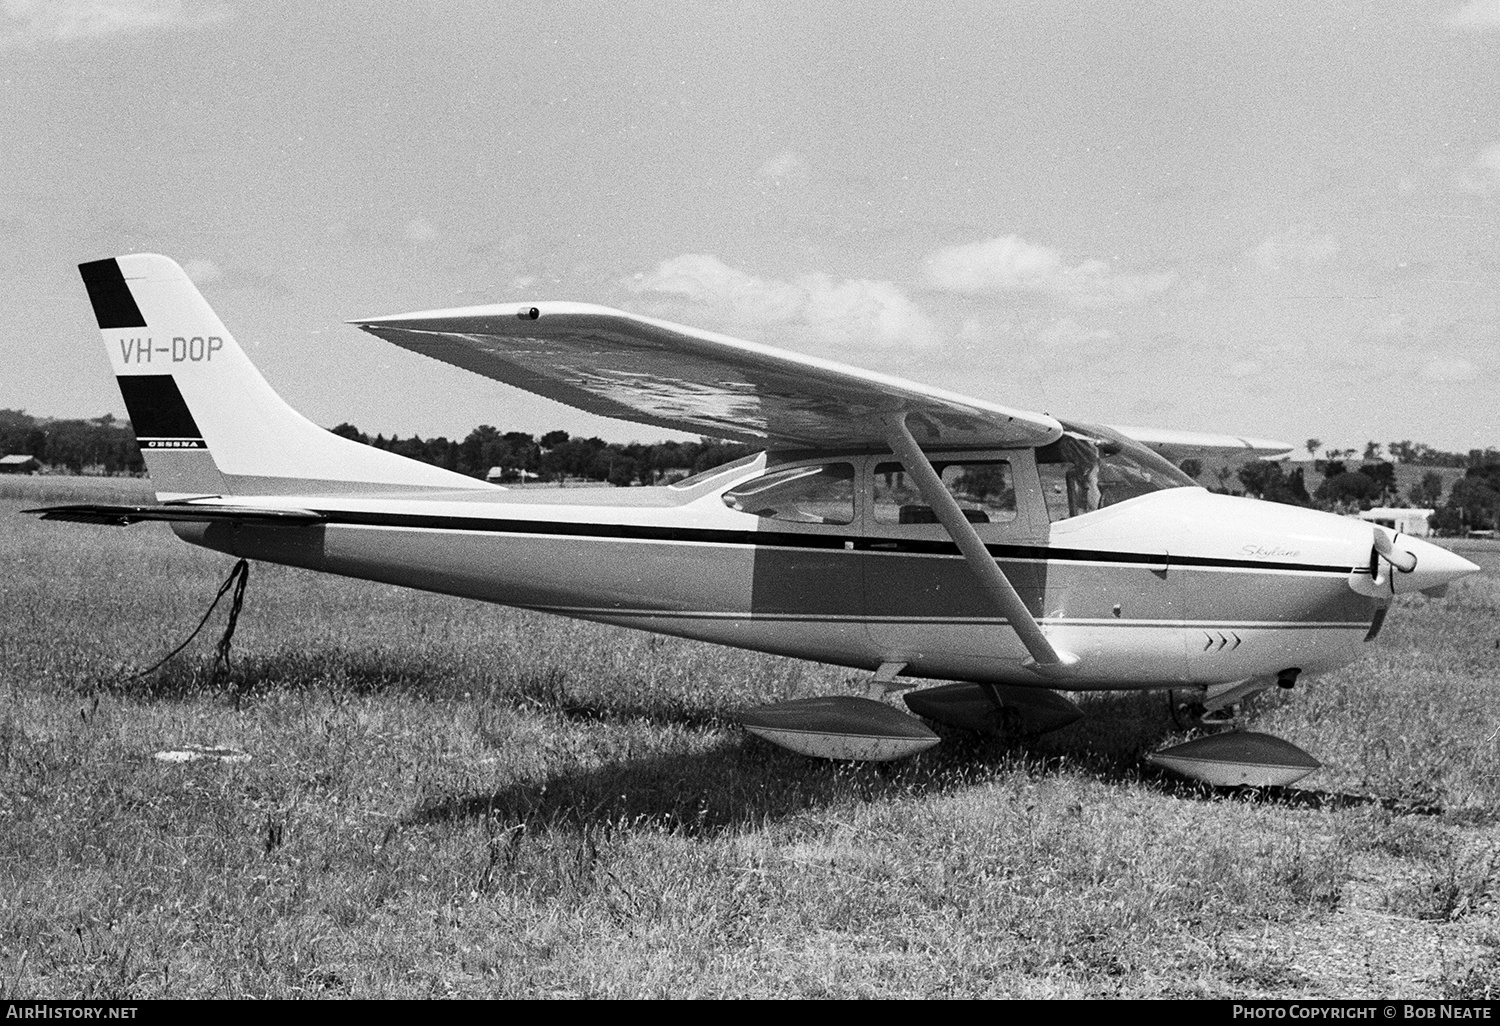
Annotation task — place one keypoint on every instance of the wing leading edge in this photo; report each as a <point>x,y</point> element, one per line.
<point>667,375</point>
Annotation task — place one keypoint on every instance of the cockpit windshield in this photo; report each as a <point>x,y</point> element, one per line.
<point>1091,467</point>
<point>723,470</point>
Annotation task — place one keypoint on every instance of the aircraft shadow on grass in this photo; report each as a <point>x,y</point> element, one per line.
<point>744,782</point>
<point>741,781</point>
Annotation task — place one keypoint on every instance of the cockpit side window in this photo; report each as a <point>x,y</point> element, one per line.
<point>818,494</point>
<point>985,490</point>
<point>1089,468</point>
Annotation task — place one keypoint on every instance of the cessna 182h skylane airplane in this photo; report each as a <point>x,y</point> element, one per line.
<point>888,526</point>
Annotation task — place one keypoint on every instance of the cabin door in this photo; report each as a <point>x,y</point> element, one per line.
<point>923,603</point>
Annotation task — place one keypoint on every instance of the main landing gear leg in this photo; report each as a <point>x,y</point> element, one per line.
<point>884,681</point>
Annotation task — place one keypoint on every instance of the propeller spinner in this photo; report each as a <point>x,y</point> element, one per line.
<point>1401,564</point>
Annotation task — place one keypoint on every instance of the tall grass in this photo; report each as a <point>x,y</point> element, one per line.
<point>447,798</point>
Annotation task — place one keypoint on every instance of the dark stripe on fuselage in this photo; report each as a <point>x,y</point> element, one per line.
<point>158,412</point>
<point>796,540</point>
<point>114,306</point>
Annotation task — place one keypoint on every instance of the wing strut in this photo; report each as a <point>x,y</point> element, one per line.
<point>1045,659</point>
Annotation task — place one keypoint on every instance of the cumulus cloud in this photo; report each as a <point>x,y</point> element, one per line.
<point>814,308</point>
<point>779,167</point>
<point>1010,264</point>
<point>1067,333</point>
<point>1036,346</point>
<point>1453,352</point>
<point>1296,250</point>
<point>1051,348</point>
<point>31,23</point>
<point>1477,16</point>
<point>856,311</point>
<point>740,297</point>
<point>1449,369</point>
<point>419,229</point>
<point>1482,176</point>
<point>201,272</point>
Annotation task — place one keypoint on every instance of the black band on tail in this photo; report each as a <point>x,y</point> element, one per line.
<point>114,306</point>
<point>157,409</point>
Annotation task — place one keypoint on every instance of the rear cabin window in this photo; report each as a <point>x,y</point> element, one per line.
<point>822,494</point>
<point>985,491</point>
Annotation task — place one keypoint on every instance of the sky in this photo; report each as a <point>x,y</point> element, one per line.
<point>1272,219</point>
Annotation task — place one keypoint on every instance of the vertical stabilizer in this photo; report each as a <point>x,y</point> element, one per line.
<point>206,421</point>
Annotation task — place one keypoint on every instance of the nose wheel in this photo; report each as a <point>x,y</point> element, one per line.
<point>1225,756</point>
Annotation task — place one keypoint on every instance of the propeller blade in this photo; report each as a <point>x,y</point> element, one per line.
<point>1402,560</point>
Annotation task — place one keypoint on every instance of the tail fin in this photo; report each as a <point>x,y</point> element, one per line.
<point>206,421</point>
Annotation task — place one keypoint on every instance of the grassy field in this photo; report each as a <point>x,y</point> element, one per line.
<point>450,799</point>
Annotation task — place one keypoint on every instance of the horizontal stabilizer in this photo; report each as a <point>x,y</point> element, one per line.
<point>124,516</point>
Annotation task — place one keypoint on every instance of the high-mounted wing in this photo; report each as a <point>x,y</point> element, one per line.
<point>1180,445</point>
<point>653,372</point>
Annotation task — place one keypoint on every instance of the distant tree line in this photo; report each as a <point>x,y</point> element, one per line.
<point>557,456</point>
<point>1416,454</point>
<point>99,446</point>
<point>104,445</point>
<point>1473,502</point>
<point>1408,453</point>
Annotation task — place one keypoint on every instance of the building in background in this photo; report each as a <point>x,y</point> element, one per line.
<point>1407,521</point>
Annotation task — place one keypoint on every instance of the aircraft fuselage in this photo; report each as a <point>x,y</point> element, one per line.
<point>1170,588</point>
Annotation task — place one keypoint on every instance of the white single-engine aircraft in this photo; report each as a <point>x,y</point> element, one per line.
<point>888,526</point>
